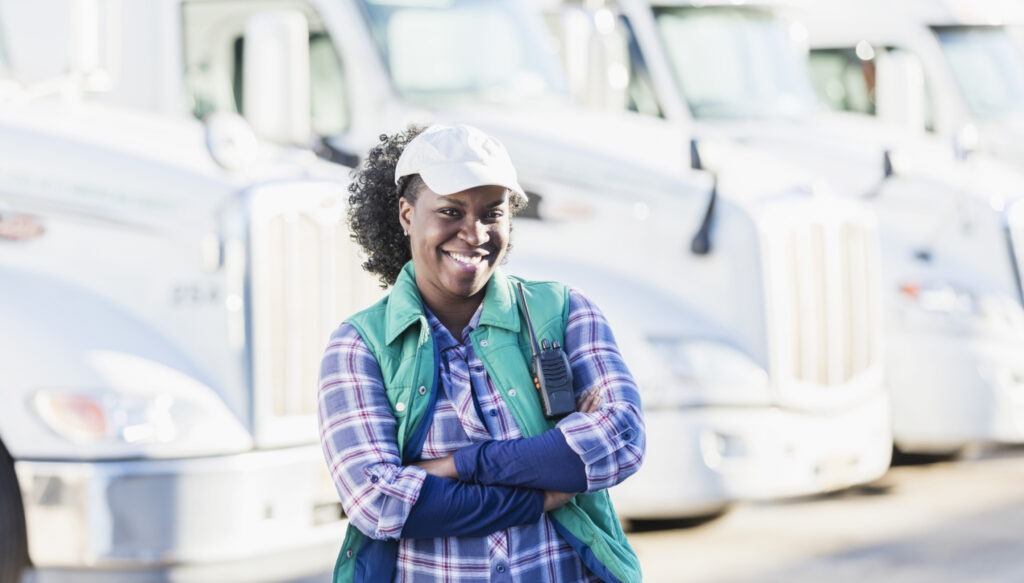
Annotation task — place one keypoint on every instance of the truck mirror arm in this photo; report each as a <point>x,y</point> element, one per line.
<point>327,151</point>
<point>888,171</point>
<point>701,243</point>
<point>695,161</point>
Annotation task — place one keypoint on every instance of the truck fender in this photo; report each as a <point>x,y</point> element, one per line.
<point>53,334</point>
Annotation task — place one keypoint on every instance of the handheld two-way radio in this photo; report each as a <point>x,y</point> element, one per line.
<point>551,373</point>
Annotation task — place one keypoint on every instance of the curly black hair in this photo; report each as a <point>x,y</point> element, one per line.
<point>373,205</point>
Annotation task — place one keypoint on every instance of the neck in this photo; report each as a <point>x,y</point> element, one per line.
<point>455,316</point>
<point>453,310</point>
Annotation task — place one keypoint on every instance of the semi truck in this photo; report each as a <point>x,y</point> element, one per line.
<point>948,226</point>
<point>166,287</point>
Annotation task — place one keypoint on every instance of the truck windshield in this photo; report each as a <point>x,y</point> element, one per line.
<point>734,62</point>
<point>448,51</point>
<point>988,67</point>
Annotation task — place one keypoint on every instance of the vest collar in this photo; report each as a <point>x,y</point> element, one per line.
<point>405,305</point>
<point>500,306</point>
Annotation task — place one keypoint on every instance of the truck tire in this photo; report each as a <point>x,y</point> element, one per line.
<point>13,548</point>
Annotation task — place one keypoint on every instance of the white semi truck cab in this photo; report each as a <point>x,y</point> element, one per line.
<point>954,69</point>
<point>950,265</point>
<point>166,289</point>
<point>746,300</point>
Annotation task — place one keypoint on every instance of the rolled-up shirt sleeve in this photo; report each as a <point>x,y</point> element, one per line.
<point>610,441</point>
<point>358,436</point>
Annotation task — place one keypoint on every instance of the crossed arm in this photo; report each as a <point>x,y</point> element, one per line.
<point>489,485</point>
<point>544,462</point>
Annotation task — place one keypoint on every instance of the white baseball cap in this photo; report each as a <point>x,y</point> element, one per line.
<point>451,159</point>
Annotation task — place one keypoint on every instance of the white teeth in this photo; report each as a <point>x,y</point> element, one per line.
<point>468,260</point>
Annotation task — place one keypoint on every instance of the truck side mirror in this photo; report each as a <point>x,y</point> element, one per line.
<point>275,86</point>
<point>899,89</point>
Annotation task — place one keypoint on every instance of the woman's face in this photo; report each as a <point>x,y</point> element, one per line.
<point>457,240</point>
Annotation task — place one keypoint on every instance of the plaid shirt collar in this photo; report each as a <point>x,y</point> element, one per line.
<point>444,338</point>
<point>405,305</point>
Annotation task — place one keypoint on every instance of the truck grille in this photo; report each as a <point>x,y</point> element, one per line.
<point>305,276</point>
<point>822,299</point>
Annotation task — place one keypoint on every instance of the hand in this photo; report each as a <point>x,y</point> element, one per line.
<point>589,401</point>
<point>442,467</point>
<point>553,500</point>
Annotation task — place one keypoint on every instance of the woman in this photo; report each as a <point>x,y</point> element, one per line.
<point>435,437</point>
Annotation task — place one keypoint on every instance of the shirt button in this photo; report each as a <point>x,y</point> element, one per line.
<point>494,412</point>
<point>400,407</point>
<point>348,553</point>
<point>423,390</point>
<point>512,393</point>
<point>483,343</point>
<point>501,568</point>
<point>374,479</point>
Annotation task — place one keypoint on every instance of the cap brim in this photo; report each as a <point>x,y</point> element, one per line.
<point>451,178</point>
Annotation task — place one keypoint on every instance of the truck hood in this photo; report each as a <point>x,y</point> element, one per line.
<point>554,141</point>
<point>847,150</point>
<point>1004,139</point>
<point>579,145</point>
<point>137,167</point>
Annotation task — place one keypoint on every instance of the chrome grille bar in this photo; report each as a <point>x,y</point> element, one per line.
<point>306,276</point>
<point>820,277</point>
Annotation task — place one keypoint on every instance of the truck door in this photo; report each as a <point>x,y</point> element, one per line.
<point>214,43</point>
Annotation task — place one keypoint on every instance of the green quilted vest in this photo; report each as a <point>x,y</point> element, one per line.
<point>397,333</point>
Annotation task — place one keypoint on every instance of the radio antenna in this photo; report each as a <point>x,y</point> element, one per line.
<point>526,314</point>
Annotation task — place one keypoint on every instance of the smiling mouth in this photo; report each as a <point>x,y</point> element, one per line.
<point>466,260</point>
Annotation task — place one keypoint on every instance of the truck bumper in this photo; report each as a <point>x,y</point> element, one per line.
<point>272,511</point>
<point>699,460</point>
<point>953,389</point>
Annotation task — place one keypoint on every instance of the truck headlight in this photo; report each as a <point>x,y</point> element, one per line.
<point>701,373</point>
<point>949,299</point>
<point>136,419</point>
<point>143,404</point>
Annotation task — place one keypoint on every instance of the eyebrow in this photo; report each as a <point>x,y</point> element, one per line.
<point>460,203</point>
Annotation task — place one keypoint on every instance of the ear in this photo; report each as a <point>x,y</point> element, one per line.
<point>405,209</point>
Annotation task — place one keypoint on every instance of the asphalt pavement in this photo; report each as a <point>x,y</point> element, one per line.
<point>956,521</point>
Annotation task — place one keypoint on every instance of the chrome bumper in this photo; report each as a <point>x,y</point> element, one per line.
<point>699,460</point>
<point>145,514</point>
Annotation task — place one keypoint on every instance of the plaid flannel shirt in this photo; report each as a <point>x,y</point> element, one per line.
<point>377,492</point>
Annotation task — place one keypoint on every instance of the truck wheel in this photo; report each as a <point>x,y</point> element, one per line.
<point>14,548</point>
<point>904,458</point>
<point>652,524</point>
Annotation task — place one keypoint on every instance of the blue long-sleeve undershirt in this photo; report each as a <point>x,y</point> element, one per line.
<point>447,507</point>
<point>500,484</point>
<point>545,462</point>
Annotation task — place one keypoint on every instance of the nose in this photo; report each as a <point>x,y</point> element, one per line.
<point>474,232</point>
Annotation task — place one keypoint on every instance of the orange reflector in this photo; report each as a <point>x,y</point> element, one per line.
<point>910,289</point>
<point>19,227</point>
